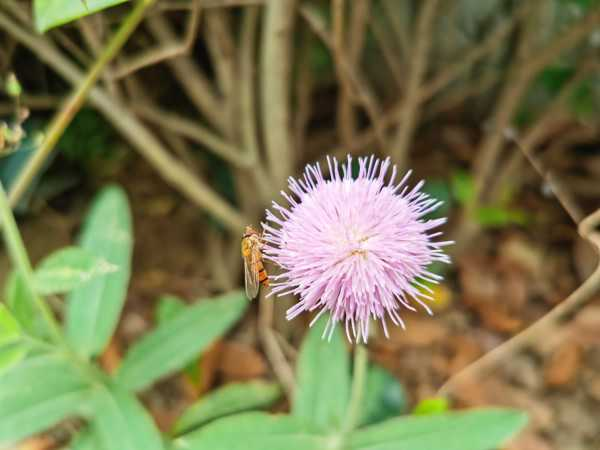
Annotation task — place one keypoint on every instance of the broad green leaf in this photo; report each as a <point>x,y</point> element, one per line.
<point>428,406</point>
<point>253,431</point>
<point>122,423</point>
<point>384,396</point>
<point>11,355</point>
<point>230,399</point>
<point>52,13</point>
<point>176,342</point>
<point>93,309</point>
<point>323,379</point>
<point>39,392</point>
<point>68,268</point>
<point>471,430</point>
<point>21,304</point>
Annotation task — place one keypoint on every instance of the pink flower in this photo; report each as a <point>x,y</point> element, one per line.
<point>356,247</point>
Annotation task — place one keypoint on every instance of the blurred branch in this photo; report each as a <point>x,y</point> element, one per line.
<point>196,85</point>
<point>360,88</point>
<point>173,171</point>
<point>276,65</point>
<point>193,130</point>
<point>587,227</point>
<point>66,114</point>
<point>165,50</point>
<point>410,111</point>
<point>523,73</point>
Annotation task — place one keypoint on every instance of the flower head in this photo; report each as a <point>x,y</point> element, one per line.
<point>358,247</point>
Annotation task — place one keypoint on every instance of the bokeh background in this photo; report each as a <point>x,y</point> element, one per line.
<point>212,104</point>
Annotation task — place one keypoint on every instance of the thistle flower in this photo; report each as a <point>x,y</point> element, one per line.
<point>356,247</point>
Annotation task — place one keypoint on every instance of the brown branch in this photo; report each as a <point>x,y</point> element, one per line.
<point>582,295</point>
<point>193,130</point>
<point>173,171</point>
<point>523,73</point>
<point>276,64</point>
<point>194,82</point>
<point>409,114</point>
<point>360,88</point>
<point>166,50</point>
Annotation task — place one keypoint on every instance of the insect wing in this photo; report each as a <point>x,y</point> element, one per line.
<point>251,273</point>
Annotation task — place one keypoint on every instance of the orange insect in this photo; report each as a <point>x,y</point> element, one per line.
<point>254,269</point>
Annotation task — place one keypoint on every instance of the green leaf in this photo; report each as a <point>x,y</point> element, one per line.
<point>21,304</point>
<point>429,406</point>
<point>67,269</point>
<point>93,309</point>
<point>176,342</point>
<point>11,355</point>
<point>122,423</point>
<point>462,186</point>
<point>471,430</point>
<point>86,439</point>
<point>253,431</point>
<point>499,217</point>
<point>38,393</point>
<point>10,331</point>
<point>440,190</point>
<point>323,379</point>
<point>230,399</point>
<point>384,396</point>
<point>52,13</point>
<point>168,307</point>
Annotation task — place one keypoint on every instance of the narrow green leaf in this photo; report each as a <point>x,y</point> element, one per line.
<point>11,355</point>
<point>428,406</point>
<point>168,307</point>
<point>384,396</point>
<point>230,399</point>
<point>471,430</point>
<point>52,13</point>
<point>176,342</point>
<point>253,431</point>
<point>21,304</point>
<point>122,423</point>
<point>37,393</point>
<point>69,268</point>
<point>462,186</point>
<point>10,330</point>
<point>323,379</point>
<point>86,439</point>
<point>93,309</point>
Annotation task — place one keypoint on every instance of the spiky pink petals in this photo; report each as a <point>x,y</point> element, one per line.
<point>358,247</point>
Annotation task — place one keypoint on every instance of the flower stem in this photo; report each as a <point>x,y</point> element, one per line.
<point>358,389</point>
<point>20,260</point>
<point>74,103</point>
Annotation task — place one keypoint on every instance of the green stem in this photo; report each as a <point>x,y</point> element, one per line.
<point>66,114</point>
<point>20,260</point>
<point>358,389</point>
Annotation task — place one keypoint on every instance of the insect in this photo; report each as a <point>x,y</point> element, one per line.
<point>254,269</point>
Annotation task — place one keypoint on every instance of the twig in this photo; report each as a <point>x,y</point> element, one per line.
<point>275,355</point>
<point>65,115</point>
<point>173,171</point>
<point>169,49</point>
<point>409,114</point>
<point>222,50</point>
<point>196,85</point>
<point>193,130</point>
<point>360,88</point>
<point>276,61</point>
<point>582,295</point>
<point>510,98</point>
<point>247,87</point>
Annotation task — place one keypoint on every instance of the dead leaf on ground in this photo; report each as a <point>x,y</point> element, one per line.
<point>241,362</point>
<point>564,365</point>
